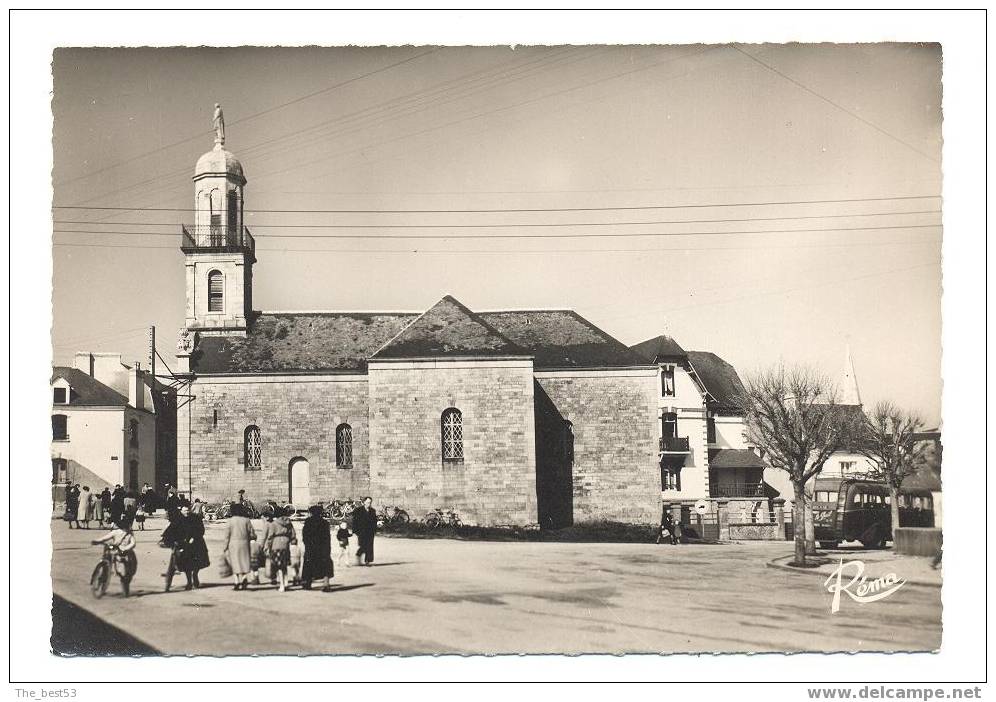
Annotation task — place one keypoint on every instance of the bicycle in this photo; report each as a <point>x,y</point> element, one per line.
<point>340,510</point>
<point>442,517</point>
<point>393,516</point>
<point>112,560</point>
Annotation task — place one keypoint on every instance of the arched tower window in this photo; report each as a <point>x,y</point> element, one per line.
<point>253,447</point>
<point>452,435</point>
<point>216,223</point>
<point>344,446</point>
<point>216,292</point>
<point>233,218</point>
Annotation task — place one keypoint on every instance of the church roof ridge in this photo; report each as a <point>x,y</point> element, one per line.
<point>319,312</point>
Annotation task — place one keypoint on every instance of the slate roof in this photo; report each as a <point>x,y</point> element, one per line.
<point>719,377</point>
<point>562,339</point>
<point>449,329</point>
<point>735,458</point>
<point>88,391</point>
<point>660,347</point>
<point>344,341</point>
<point>288,342</point>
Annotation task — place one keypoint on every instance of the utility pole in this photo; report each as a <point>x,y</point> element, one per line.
<point>152,354</point>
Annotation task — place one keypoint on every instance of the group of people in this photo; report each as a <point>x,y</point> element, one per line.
<point>279,552</point>
<point>84,505</point>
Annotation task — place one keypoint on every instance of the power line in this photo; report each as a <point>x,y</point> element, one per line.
<point>526,209</point>
<point>250,117</point>
<point>528,224</point>
<point>284,249</point>
<point>835,104</point>
<point>538,236</point>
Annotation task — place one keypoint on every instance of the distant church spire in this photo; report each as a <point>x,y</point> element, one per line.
<point>849,393</point>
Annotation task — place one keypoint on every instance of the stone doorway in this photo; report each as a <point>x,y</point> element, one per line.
<point>299,483</point>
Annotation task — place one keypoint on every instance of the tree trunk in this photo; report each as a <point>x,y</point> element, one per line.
<point>894,508</point>
<point>810,526</point>
<point>799,522</point>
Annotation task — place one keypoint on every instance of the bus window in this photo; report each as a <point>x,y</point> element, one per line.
<point>857,498</point>
<point>916,502</point>
<point>888,499</point>
<point>928,503</point>
<point>826,496</point>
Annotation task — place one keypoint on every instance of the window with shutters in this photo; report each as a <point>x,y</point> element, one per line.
<point>253,448</point>
<point>344,446</point>
<point>60,427</point>
<point>711,429</point>
<point>216,292</point>
<point>452,435</point>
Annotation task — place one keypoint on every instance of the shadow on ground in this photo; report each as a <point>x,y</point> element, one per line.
<point>76,632</point>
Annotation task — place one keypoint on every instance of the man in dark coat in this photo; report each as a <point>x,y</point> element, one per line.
<point>172,505</point>
<point>72,505</point>
<point>317,538</point>
<point>365,526</point>
<point>117,504</point>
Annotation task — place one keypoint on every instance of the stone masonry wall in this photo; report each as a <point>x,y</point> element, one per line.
<point>297,416</point>
<point>496,481</point>
<point>616,474</point>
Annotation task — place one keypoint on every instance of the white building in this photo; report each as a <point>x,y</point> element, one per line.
<point>103,423</point>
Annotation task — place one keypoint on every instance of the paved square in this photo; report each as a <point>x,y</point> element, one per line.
<point>445,596</point>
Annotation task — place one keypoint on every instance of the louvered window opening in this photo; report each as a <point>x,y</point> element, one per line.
<point>452,425</point>
<point>253,449</point>
<point>344,446</point>
<point>216,292</point>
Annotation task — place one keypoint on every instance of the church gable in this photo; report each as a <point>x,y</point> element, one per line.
<point>448,329</point>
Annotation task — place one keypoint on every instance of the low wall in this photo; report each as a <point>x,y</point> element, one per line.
<point>755,532</point>
<point>917,541</point>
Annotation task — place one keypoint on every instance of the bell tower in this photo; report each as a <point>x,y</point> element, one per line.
<point>218,249</point>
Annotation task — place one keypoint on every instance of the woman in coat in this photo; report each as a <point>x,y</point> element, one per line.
<point>98,510</point>
<point>85,509</point>
<point>237,537</point>
<point>279,537</point>
<point>317,549</point>
<point>72,506</point>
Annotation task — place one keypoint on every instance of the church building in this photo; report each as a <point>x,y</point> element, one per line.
<point>504,416</point>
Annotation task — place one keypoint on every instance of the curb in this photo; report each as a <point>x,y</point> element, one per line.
<point>774,563</point>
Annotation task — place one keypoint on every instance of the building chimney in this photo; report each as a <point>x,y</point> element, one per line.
<point>136,387</point>
<point>84,361</point>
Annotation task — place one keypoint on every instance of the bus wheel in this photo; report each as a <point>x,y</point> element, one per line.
<point>873,539</point>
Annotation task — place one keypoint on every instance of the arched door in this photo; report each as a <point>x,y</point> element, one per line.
<point>299,481</point>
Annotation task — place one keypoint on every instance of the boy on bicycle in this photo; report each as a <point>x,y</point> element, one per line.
<point>123,540</point>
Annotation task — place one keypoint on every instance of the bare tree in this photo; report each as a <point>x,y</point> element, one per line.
<point>889,442</point>
<point>792,414</point>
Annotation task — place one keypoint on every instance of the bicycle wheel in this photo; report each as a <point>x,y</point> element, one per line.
<point>98,581</point>
<point>432,520</point>
<point>401,516</point>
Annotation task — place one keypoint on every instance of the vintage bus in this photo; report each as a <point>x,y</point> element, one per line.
<point>856,509</point>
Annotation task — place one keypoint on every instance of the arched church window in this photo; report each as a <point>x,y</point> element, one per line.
<point>253,448</point>
<point>452,435</point>
<point>344,446</point>
<point>216,292</point>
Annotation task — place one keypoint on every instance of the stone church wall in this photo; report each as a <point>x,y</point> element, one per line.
<point>616,475</point>
<point>296,415</point>
<point>496,481</point>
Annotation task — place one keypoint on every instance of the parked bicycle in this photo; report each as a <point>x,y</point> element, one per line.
<point>393,516</point>
<point>112,561</point>
<point>442,517</point>
<point>340,510</point>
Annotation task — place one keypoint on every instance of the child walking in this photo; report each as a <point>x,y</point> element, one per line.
<point>342,539</point>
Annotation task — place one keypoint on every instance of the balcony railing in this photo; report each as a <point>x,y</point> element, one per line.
<point>674,444</point>
<point>215,237</point>
<point>745,489</point>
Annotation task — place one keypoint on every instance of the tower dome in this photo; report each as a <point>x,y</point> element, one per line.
<point>219,161</point>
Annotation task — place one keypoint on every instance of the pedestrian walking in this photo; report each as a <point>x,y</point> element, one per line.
<point>130,504</point>
<point>342,540</point>
<point>279,538</point>
<point>667,528</point>
<point>172,505</point>
<point>97,510</point>
<point>105,503</point>
<point>72,506</point>
<point>197,508</point>
<point>117,504</point>
<point>365,526</point>
<point>317,537</point>
<point>238,535</point>
<point>190,555</point>
<point>84,510</point>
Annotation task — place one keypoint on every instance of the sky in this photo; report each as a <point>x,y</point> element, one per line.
<point>654,179</point>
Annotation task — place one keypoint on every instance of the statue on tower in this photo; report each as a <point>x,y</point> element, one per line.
<point>219,125</point>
